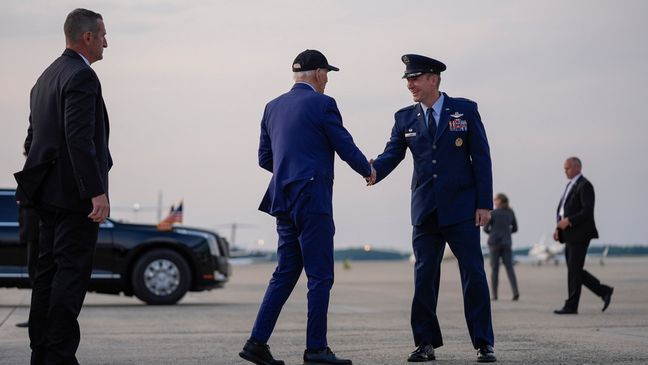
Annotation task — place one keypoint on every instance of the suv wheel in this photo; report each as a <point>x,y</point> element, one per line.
<point>161,277</point>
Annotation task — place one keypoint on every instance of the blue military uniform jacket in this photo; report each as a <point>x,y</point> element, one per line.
<point>452,170</point>
<point>301,131</point>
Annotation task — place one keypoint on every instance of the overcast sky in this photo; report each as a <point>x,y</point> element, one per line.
<point>185,84</point>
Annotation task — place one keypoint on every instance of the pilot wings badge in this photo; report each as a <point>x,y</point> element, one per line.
<point>456,124</point>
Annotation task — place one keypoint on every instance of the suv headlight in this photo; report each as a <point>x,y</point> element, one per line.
<point>210,238</point>
<point>213,245</point>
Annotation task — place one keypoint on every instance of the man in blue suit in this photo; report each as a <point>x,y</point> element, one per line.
<point>451,198</point>
<point>301,131</point>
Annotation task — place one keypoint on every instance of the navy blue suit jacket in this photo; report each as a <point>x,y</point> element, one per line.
<point>452,170</point>
<point>301,131</point>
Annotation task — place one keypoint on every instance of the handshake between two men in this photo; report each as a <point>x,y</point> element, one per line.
<point>302,129</point>
<point>371,179</point>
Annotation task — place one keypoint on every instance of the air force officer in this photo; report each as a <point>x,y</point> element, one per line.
<point>451,198</point>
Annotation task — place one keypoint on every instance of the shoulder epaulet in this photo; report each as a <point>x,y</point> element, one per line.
<point>465,100</point>
<point>410,107</point>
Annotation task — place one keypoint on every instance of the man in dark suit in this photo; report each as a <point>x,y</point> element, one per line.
<point>301,131</point>
<point>575,228</point>
<point>66,177</point>
<point>28,222</point>
<point>451,198</point>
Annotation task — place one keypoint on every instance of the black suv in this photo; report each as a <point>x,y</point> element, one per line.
<point>158,267</point>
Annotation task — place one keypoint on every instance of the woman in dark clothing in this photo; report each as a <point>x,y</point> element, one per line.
<point>500,227</point>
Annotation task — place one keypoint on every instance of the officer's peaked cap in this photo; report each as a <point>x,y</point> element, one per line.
<point>416,65</point>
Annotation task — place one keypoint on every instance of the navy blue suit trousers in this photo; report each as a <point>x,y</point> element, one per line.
<point>305,242</point>
<point>429,244</point>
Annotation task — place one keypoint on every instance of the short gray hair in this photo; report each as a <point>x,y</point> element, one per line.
<point>576,161</point>
<point>80,21</point>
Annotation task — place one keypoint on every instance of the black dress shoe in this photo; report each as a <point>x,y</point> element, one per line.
<point>26,324</point>
<point>422,353</point>
<point>607,298</point>
<point>325,356</point>
<point>486,354</point>
<point>258,353</point>
<point>564,310</point>
<point>516,297</point>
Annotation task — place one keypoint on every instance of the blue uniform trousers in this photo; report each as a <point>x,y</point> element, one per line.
<point>305,241</point>
<point>429,243</point>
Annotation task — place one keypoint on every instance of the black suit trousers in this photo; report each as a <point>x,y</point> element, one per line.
<point>66,248</point>
<point>28,221</point>
<point>577,276</point>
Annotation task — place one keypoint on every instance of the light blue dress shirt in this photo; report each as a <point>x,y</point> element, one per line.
<point>437,109</point>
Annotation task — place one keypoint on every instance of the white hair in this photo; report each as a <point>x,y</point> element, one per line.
<point>303,75</point>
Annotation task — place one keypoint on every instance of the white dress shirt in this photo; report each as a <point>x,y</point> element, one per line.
<point>305,83</point>
<point>84,59</point>
<point>572,182</point>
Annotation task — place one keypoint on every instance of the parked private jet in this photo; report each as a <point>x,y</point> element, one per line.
<point>543,253</point>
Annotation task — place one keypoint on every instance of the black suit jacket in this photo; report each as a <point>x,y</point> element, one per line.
<point>67,141</point>
<point>579,208</point>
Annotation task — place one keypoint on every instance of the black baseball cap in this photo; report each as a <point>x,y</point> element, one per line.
<point>311,59</point>
<point>416,65</point>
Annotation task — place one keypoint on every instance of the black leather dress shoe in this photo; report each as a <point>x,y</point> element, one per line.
<point>422,353</point>
<point>486,354</point>
<point>26,324</point>
<point>607,298</point>
<point>325,356</point>
<point>564,310</point>
<point>258,353</point>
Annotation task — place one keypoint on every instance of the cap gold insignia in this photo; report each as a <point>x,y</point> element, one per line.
<point>458,142</point>
<point>296,65</point>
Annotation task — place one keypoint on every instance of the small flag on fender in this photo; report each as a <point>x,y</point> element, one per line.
<point>175,216</point>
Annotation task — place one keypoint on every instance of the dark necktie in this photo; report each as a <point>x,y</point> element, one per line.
<point>562,200</point>
<point>431,122</point>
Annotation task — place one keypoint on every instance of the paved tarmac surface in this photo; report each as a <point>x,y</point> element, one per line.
<point>368,320</point>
